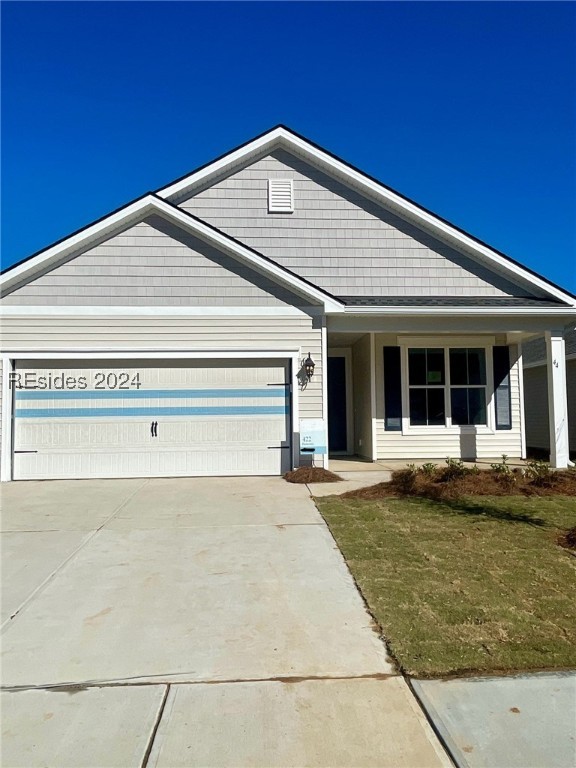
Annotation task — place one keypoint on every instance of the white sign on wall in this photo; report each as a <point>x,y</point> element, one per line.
<point>313,436</point>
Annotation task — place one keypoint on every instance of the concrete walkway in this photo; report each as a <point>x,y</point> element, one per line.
<point>521,721</point>
<point>197,622</point>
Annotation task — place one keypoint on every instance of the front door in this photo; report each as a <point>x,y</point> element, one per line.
<point>337,405</point>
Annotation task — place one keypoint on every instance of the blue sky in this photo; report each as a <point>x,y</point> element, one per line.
<point>467,108</point>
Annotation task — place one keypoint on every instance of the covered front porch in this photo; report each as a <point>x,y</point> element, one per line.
<point>410,390</point>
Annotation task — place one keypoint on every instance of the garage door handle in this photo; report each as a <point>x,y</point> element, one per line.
<point>154,429</point>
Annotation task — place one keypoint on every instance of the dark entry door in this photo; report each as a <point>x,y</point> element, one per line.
<point>337,429</point>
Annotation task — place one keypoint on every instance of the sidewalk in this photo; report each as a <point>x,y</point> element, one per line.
<point>522,721</point>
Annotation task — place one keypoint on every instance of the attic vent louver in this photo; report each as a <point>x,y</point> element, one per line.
<point>280,196</point>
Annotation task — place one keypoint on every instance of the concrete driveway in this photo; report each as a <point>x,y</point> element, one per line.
<point>190,621</point>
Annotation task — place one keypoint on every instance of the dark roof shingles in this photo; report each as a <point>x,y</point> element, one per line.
<point>448,301</point>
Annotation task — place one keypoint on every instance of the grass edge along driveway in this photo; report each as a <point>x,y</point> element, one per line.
<point>475,585</point>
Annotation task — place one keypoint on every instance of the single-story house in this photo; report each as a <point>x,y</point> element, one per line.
<point>261,311</point>
<point>536,394</point>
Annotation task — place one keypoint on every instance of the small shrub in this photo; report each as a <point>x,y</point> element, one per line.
<point>503,472</point>
<point>428,469</point>
<point>540,473</point>
<point>502,467</point>
<point>454,470</point>
<point>404,480</point>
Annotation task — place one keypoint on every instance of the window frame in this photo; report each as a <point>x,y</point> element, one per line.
<point>446,344</point>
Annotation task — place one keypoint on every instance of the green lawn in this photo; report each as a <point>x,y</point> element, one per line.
<point>469,585</point>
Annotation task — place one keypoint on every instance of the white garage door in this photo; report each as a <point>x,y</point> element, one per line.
<point>206,417</point>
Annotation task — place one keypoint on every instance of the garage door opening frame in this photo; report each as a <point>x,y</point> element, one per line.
<point>9,359</point>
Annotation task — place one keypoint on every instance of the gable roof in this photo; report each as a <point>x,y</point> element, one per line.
<point>164,202</point>
<point>281,137</point>
<point>135,212</point>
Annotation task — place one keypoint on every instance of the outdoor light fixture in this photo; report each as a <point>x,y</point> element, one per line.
<point>309,366</point>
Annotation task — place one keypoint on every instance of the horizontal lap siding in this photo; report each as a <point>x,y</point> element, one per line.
<point>536,406</point>
<point>571,381</point>
<point>152,264</point>
<point>337,239</point>
<point>174,334</point>
<point>395,445</point>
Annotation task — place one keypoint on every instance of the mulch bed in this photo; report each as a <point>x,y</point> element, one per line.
<point>311,475</point>
<point>442,484</point>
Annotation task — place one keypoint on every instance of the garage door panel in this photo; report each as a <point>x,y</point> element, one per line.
<point>128,435</point>
<point>68,465</point>
<point>223,419</point>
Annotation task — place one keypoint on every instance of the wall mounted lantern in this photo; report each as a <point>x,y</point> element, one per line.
<point>309,366</point>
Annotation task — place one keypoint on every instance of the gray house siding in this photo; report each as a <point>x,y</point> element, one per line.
<point>536,406</point>
<point>257,334</point>
<point>337,239</point>
<point>536,393</point>
<point>534,351</point>
<point>153,263</point>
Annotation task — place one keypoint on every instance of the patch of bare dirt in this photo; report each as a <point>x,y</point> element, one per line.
<point>311,475</point>
<point>568,539</point>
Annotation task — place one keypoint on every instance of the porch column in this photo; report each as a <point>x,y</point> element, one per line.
<point>557,399</point>
<point>373,435</point>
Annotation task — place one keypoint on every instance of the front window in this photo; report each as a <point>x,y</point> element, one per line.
<point>468,386</point>
<point>426,376</point>
<point>447,386</point>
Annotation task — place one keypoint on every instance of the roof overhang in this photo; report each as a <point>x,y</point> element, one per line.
<point>137,211</point>
<point>569,313</point>
<point>282,137</point>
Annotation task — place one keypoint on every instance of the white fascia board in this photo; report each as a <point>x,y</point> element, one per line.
<point>139,210</point>
<point>375,190</point>
<point>122,218</point>
<point>262,144</point>
<point>431,222</point>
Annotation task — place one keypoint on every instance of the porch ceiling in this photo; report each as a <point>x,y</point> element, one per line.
<point>343,339</point>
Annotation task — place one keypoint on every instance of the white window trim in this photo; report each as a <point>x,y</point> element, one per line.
<point>446,344</point>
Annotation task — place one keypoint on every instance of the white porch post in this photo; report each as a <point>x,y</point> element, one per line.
<point>557,399</point>
<point>374,441</point>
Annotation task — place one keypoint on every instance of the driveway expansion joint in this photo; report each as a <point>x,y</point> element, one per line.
<point>155,727</point>
<point>128,682</point>
<point>87,539</point>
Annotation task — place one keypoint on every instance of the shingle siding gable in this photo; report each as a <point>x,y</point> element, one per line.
<point>336,238</point>
<point>153,264</point>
